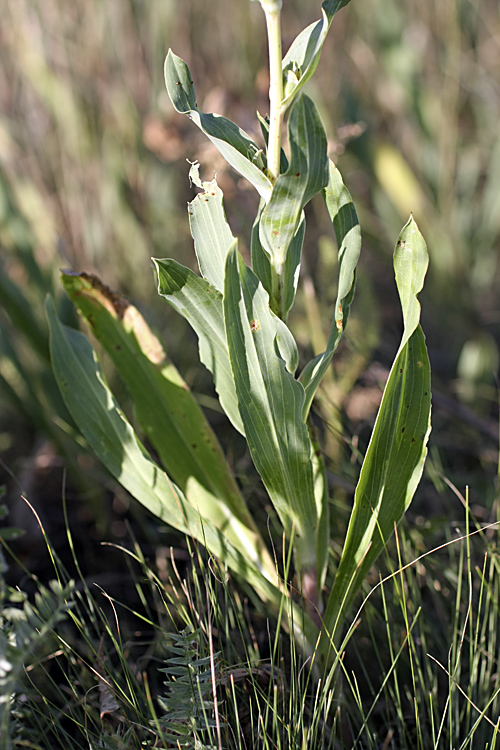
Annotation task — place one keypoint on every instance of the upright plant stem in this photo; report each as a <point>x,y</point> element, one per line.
<point>273,22</point>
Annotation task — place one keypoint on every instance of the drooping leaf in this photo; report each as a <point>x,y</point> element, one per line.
<point>270,402</point>
<point>347,230</point>
<point>112,438</point>
<point>209,228</point>
<point>236,146</point>
<point>201,305</point>
<point>396,454</point>
<point>103,424</point>
<point>167,412</point>
<point>282,218</point>
<point>302,58</point>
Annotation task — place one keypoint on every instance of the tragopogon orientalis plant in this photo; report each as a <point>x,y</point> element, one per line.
<point>239,314</point>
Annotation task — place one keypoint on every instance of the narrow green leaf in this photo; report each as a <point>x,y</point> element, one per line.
<point>270,402</point>
<point>282,217</point>
<point>302,58</point>
<point>107,431</point>
<point>390,473</point>
<point>348,233</point>
<point>236,146</point>
<point>209,228</point>
<point>411,260</point>
<point>396,454</point>
<point>201,305</point>
<point>103,425</point>
<point>167,411</point>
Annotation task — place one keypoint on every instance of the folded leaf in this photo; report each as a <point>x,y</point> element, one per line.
<point>270,402</point>
<point>347,230</point>
<point>282,217</point>
<point>302,58</point>
<point>209,228</point>
<point>236,146</point>
<point>201,305</point>
<point>261,265</point>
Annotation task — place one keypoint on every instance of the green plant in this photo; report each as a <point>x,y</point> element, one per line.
<point>24,630</point>
<point>189,704</point>
<point>239,315</point>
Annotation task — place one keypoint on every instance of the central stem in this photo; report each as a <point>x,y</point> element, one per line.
<point>273,21</point>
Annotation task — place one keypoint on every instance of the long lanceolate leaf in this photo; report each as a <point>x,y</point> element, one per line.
<point>167,412</point>
<point>395,457</point>
<point>113,440</point>
<point>347,230</point>
<point>236,146</point>
<point>103,425</point>
<point>302,58</point>
<point>270,402</point>
<point>282,218</point>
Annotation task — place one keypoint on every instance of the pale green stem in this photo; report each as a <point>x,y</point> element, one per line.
<point>273,21</point>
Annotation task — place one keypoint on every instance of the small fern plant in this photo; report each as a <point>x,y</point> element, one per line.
<point>189,720</point>
<point>24,629</point>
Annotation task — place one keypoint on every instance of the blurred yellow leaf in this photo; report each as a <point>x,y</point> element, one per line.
<point>398,180</point>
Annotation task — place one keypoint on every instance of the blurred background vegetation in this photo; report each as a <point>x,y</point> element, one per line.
<point>93,176</point>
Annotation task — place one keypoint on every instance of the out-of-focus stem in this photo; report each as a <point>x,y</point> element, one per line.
<point>273,21</point>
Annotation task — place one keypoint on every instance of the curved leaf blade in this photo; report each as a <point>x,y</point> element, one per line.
<point>270,402</point>
<point>302,58</point>
<point>201,305</point>
<point>167,411</point>
<point>103,424</point>
<point>348,233</point>
<point>411,260</point>
<point>236,146</point>
<point>111,437</point>
<point>287,284</point>
<point>390,473</point>
<point>396,454</point>
<point>282,217</point>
